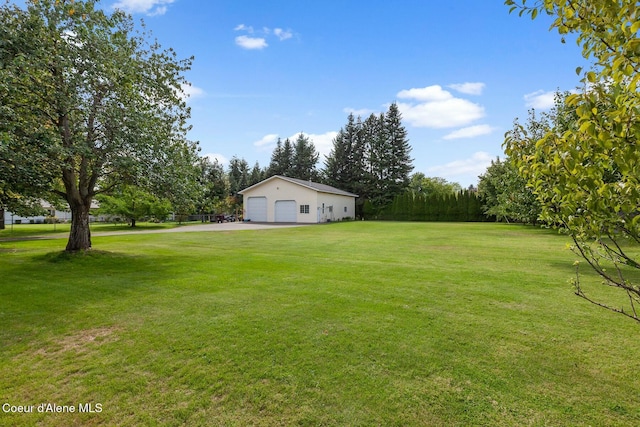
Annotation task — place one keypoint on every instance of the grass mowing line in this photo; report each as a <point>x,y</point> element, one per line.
<point>308,326</point>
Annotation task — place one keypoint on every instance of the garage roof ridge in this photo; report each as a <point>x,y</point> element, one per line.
<point>323,188</point>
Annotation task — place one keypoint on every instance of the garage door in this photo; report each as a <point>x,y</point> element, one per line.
<point>286,211</point>
<point>257,209</point>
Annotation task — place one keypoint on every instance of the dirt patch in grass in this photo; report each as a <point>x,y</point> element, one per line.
<point>79,341</point>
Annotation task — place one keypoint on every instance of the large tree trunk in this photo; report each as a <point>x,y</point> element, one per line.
<point>1,218</point>
<point>80,235</point>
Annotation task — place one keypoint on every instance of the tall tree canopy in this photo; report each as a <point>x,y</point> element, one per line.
<point>371,158</point>
<point>239,175</point>
<point>585,170</point>
<point>345,166</point>
<point>297,159</point>
<point>100,102</point>
<point>281,159</point>
<point>305,159</point>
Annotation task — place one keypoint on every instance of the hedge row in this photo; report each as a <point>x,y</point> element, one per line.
<point>465,206</point>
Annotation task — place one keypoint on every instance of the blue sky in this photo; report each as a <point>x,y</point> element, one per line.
<point>460,70</point>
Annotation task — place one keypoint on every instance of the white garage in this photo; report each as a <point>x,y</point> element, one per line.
<point>284,199</point>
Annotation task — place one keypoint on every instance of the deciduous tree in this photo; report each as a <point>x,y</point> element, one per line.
<point>506,195</point>
<point>134,204</point>
<point>432,186</point>
<point>102,102</point>
<point>586,169</point>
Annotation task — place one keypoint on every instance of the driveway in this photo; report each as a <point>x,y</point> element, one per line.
<point>207,226</point>
<point>187,228</point>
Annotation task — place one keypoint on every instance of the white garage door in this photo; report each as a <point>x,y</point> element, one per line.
<point>257,209</point>
<point>286,211</point>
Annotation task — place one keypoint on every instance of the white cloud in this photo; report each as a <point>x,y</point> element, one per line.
<point>429,93</point>
<point>468,88</point>
<point>257,39</point>
<point>469,132</point>
<point>148,7</point>
<point>540,99</point>
<point>474,166</point>
<point>437,108</point>
<point>219,157</point>
<point>242,27</point>
<point>441,114</point>
<point>251,43</point>
<point>282,34</point>
<point>267,142</point>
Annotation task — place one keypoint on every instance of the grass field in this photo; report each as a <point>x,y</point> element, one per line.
<point>359,324</point>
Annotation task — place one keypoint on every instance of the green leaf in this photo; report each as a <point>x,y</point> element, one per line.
<point>534,14</point>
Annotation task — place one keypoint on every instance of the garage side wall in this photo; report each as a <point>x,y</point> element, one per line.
<point>333,207</point>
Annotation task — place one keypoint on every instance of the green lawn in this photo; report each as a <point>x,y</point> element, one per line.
<point>359,324</point>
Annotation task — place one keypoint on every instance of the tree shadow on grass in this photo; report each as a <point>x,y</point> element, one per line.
<point>93,254</point>
<point>58,290</point>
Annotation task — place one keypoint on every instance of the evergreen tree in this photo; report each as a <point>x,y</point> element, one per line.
<point>371,159</point>
<point>281,159</point>
<point>399,162</point>
<point>257,174</point>
<point>344,167</point>
<point>305,159</point>
<point>238,175</point>
<point>377,158</point>
<point>388,149</point>
<point>336,162</point>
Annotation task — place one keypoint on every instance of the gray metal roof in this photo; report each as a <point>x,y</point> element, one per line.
<point>323,188</point>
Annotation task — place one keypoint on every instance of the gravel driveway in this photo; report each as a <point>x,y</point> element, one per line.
<point>209,226</point>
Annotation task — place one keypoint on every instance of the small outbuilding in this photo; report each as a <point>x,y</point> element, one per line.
<point>283,199</point>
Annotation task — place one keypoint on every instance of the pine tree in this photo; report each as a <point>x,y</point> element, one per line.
<point>377,158</point>
<point>388,157</point>
<point>399,163</point>
<point>371,159</point>
<point>304,159</point>
<point>238,175</point>
<point>281,159</point>
<point>344,167</point>
<point>335,163</point>
<point>257,174</point>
